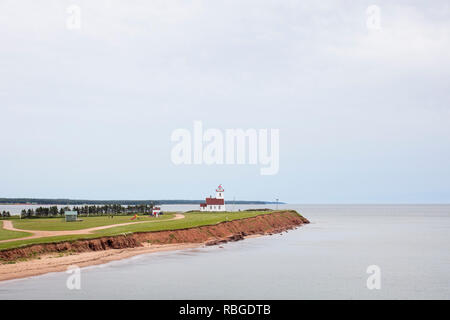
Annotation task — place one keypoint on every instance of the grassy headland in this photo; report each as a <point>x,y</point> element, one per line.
<point>192,219</point>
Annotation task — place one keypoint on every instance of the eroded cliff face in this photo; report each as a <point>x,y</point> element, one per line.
<point>209,235</point>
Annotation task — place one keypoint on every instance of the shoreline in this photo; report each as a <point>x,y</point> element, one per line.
<point>54,263</point>
<point>37,259</point>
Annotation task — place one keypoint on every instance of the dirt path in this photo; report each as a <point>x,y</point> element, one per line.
<point>8,225</point>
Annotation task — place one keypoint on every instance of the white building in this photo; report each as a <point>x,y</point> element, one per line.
<point>215,204</point>
<point>156,211</point>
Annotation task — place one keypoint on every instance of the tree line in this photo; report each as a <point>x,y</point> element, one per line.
<point>104,210</point>
<point>5,214</point>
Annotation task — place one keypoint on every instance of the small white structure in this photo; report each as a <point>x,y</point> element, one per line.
<point>156,211</point>
<point>215,204</point>
<point>71,215</point>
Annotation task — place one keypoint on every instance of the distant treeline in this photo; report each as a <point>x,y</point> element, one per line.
<point>105,210</point>
<point>110,202</point>
<point>5,214</point>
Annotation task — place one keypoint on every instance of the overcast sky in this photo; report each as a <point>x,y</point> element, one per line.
<point>364,115</point>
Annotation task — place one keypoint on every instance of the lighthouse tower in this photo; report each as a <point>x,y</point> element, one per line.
<point>219,192</point>
<point>214,204</point>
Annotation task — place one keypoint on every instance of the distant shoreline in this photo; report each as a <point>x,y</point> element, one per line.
<point>68,202</point>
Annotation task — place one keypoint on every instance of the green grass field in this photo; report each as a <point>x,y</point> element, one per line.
<point>59,224</point>
<point>7,234</point>
<point>192,219</point>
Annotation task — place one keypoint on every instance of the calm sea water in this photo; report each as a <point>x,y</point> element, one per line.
<point>326,259</point>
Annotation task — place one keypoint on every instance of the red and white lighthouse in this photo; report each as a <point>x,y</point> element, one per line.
<point>215,204</point>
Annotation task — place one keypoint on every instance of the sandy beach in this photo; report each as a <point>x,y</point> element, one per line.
<point>60,262</point>
<point>56,262</point>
